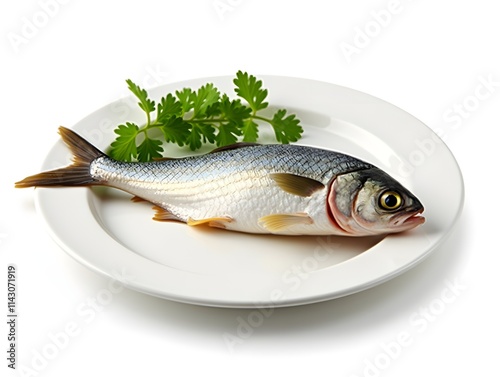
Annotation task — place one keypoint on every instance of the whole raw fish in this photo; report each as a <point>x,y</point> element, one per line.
<point>279,189</point>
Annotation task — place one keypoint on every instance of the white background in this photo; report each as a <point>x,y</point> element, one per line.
<point>63,60</point>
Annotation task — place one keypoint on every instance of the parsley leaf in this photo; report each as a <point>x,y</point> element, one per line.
<point>124,147</point>
<point>185,96</point>
<point>206,96</point>
<point>286,129</point>
<point>233,110</point>
<point>144,102</point>
<point>199,132</point>
<point>149,149</point>
<point>168,107</point>
<point>250,131</point>
<point>228,134</point>
<point>176,130</point>
<point>250,89</point>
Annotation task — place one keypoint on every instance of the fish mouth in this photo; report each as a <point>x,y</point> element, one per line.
<point>409,220</point>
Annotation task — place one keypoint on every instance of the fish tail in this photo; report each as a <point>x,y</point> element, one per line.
<point>77,174</point>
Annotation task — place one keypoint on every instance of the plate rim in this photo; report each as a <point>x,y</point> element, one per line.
<point>221,302</point>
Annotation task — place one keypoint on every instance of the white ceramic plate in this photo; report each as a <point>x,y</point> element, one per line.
<point>105,231</point>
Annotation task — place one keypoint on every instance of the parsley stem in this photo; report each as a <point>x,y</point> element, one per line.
<point>209,120</point>
<point>267,120</point>
<point>260,118</point>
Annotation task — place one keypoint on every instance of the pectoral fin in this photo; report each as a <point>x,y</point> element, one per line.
<point>275,223</point>
<point>215,222</point>
<point>296,184</point>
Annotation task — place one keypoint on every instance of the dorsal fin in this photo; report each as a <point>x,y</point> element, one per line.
<point>163,158</point>
<point>219,149</point>
<point>234,146</point>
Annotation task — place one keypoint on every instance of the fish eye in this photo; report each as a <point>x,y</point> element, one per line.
<point>390,200</point>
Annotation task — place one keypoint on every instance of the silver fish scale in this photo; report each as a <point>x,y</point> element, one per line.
<point>318,164</point>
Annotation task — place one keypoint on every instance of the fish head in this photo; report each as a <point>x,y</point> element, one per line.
<point>369,202</point>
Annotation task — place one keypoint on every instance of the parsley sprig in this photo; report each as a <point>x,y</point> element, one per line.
<point>193,117</point>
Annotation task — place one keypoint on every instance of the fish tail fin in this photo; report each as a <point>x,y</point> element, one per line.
<point>77,174</point>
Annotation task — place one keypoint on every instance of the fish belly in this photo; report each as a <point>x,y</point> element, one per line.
<point>232,200</point>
